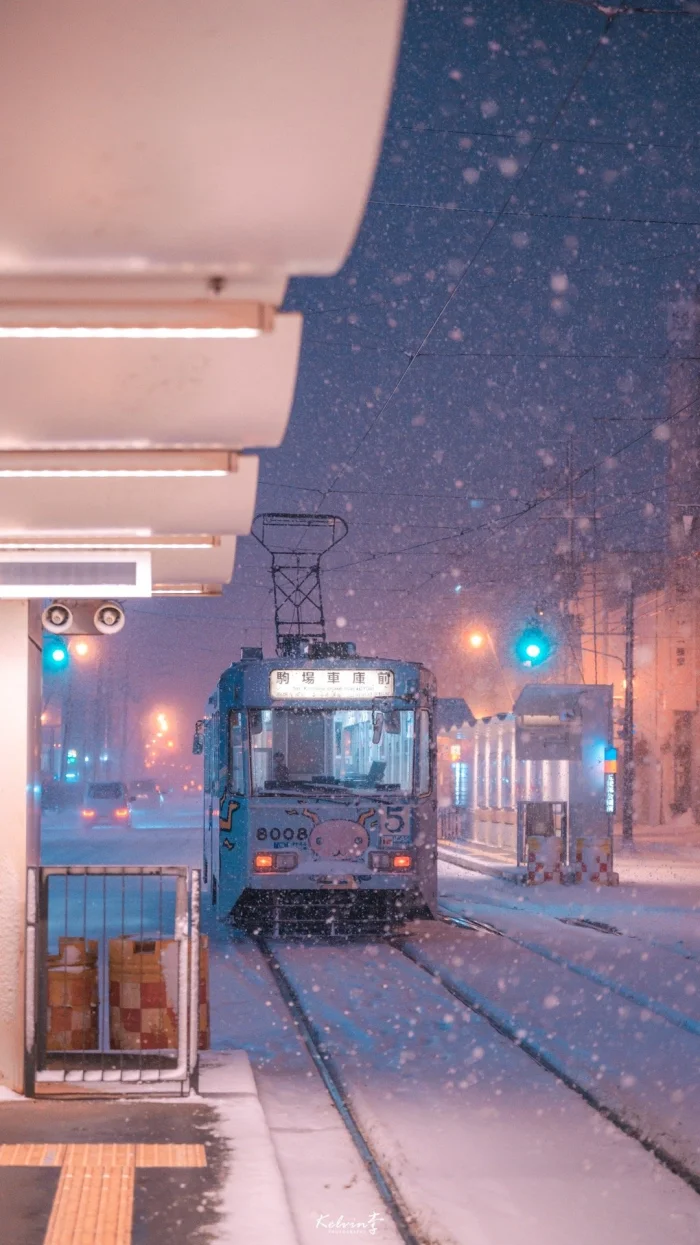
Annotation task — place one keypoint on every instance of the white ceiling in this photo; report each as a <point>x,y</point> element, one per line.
<point>93,392</point>
<point>220,505</point>
<point>189,566</point>
<point>228,136</point>
<point>173,150</point>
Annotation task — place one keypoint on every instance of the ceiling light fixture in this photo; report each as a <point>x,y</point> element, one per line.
<point>186,590</point>
<point>128,543</point>
<point>155,320</point>
<point>115,464</point>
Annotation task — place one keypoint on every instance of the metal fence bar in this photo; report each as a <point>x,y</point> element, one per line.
<point>104,1066</point>
<point>195,887</point>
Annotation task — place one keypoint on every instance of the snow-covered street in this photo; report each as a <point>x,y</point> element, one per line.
<point>478,1141</point>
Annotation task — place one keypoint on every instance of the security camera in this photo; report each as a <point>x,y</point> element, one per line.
<point>109,618</point>
<point>57,618</point>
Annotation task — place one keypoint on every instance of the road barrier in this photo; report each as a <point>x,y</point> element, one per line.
<point>117,996</point>
<point>543,859</point>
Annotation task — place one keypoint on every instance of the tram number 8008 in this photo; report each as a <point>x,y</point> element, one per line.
<point>288,835</point>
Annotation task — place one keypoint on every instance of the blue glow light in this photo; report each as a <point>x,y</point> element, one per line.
<point>533,646</point>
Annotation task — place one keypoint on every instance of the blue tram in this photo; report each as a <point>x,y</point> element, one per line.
<point>319,782</point>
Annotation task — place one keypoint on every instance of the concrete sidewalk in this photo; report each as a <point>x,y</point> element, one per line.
<point>481,859</point>
<point>199,1169</point>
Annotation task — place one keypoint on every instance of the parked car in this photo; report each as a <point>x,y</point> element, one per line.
<point>145,793</point>
<point>106,804</point>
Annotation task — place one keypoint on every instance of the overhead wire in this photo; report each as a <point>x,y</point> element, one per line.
<point>479,248</point>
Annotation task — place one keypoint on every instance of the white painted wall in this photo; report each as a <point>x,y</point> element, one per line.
<point>20,679</point>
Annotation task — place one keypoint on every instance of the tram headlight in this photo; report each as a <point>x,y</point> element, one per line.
<point>263,862</point>
<point>285,861</point>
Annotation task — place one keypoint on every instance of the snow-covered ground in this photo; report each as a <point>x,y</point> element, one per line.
<point>483,1145</point>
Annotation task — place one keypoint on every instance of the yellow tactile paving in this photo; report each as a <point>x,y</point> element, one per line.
<point>94,1202</point>
<point>93,1206</point>
<point>31,1156</point>
<point>170,1156</point>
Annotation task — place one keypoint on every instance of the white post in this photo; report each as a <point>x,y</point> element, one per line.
<point>20,791</point>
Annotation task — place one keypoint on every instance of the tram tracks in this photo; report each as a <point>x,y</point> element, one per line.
<point>513,1031</point>
<point>503,1024</point>
<point>327,1070</point>
<point>671,1014</point>
<point>677,948</point>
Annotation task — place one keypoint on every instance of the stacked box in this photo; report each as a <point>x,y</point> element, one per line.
<point>543,855</point>
<point>143,994</point>
<point>72,996</point>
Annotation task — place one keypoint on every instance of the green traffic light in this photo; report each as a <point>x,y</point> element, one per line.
<point>533,646</point>
<point>56,656</point>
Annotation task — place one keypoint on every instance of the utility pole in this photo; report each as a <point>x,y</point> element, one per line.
<point>628,728</point>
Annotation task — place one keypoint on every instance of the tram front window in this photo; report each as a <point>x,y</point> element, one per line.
<point>352,749</point>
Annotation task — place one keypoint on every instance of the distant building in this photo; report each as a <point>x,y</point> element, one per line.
<point>666,588</point>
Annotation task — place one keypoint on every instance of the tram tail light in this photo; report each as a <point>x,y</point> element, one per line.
<point>275,862</point>
<point>388,862</point>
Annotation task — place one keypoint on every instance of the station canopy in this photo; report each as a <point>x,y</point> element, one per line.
<point>166,168</point>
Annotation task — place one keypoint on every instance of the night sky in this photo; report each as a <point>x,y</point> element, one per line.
<point>536,206</point>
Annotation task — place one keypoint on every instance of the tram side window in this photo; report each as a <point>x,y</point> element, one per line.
<point>236,773</point>
<point>423,752</point>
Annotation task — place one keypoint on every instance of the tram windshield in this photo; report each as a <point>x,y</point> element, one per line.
<point>349,749</point>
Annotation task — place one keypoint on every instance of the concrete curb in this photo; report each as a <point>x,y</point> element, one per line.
<point>254,1204</point>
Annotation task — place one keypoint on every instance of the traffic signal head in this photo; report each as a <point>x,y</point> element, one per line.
<point>55,653</point>
<point>533,646</point>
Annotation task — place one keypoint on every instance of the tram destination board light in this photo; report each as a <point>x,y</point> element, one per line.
<point>336,684</point>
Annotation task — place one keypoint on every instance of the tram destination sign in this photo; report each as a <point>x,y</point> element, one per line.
<point>331,684</point>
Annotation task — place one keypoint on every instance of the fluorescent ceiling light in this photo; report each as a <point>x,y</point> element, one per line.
<point>115,464</point>
<point>186,590</point>
<point>212,319</point>
<point>114,544</point>
<point>84,330</point>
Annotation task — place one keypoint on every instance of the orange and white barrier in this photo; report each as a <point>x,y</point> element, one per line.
<point>593,863</point>
<point>543,856</point>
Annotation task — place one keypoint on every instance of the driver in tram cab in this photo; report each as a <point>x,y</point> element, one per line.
<point>280,769</point>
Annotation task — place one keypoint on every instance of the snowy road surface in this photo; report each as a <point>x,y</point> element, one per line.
<point>484,1146</point>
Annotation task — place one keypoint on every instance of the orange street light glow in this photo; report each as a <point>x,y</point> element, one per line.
<point>476,639</point>
<point>82,648</point>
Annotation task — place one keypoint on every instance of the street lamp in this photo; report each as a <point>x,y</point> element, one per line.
<point>476,640</point>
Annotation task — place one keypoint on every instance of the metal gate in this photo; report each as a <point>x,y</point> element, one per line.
<point>112,979</point>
